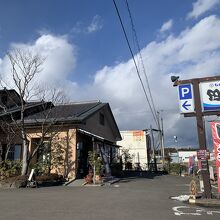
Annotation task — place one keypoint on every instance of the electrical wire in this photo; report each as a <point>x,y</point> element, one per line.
<point>135,63</point>
<point>141,58</point>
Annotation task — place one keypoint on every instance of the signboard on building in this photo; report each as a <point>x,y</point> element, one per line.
<point>210,95</point>
<point>216,140</point>
<point>186,99</point>
<point>138,135</point>
<point>203,155</point>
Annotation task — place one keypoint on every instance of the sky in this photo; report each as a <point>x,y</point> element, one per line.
<point>86,54</point>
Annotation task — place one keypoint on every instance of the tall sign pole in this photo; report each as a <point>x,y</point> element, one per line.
<point>201,137</point>
<point>190,106</point>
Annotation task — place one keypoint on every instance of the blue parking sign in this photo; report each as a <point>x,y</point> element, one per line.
<point>186,98</point>
<point>185,91</point>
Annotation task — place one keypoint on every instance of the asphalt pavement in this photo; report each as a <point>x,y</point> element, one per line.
<point>132,198</point>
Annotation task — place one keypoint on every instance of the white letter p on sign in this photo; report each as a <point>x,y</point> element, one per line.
<point>185,91</point>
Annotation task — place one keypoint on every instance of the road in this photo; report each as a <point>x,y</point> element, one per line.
<point>130,199</point>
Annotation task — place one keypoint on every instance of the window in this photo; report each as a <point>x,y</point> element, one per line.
<point>101,119</point>
<point>17,152</point>
<point>11,153</point>
<point>14,152</point>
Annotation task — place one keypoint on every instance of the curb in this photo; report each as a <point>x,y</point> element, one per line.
<point>70,181</point>
<point>107,183</point>
<point>205,202</point>
<point>93,185</point>
<point>111,182</point>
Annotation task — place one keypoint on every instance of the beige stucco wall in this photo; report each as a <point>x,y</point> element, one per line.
<point>135,142</point>
<point>63,141</point>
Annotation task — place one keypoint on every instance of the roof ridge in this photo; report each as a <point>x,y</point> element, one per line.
<point>78,103</point>
<point>88,109</point>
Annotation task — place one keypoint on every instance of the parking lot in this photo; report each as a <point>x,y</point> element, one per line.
<point>131,198</point>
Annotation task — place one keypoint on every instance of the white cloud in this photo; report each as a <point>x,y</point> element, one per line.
<point>202,6</point>
<point>95,25</point>
<point>166,26</point>
<point>78,28</point>
<point>198,42</point>
<point>60,60</point>
<point>195,52</point>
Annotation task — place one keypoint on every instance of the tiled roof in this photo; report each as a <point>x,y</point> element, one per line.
<point>75,112</point>
<point>29,106</point>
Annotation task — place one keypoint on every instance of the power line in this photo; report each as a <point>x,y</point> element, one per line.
<point>137,70</point>
<point>140,55</point>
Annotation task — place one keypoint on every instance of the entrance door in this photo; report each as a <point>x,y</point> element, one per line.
<point>83,147</point>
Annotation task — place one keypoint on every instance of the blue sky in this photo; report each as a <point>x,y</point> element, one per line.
<point>87,55</point>
<point>22,21</point>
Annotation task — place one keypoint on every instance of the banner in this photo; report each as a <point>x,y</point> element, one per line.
<point>215,126</point>
<point>138,135</point>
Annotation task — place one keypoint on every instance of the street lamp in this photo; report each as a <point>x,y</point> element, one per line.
<point>176,141</point>
<point>174,79</point>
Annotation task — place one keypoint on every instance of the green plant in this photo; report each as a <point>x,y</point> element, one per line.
<point>127,159</point>
<point>175,168</point>
<point>95,161</point>
<point>40,168</point>
<point>43,164</point>
<point>10,168</point>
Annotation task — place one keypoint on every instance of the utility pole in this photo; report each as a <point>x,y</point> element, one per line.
<point>160,127</point>
<point>162,139</point>
<point>153,148</point>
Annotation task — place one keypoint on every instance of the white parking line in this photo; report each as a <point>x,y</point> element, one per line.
<point>187,210</point>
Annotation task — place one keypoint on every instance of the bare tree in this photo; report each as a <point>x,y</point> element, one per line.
<point>46,123</point>
<point>25,65</point>
<point>8,138</point>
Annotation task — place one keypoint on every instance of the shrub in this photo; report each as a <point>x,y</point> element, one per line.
<point>127,159</point>
<point>50,177</point>
<point>41,168</point>
<point>95,161</point>
<point>9,168</point>
<point>176,168</point>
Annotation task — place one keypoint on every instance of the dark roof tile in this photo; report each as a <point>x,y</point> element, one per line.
<point>72,112</point>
